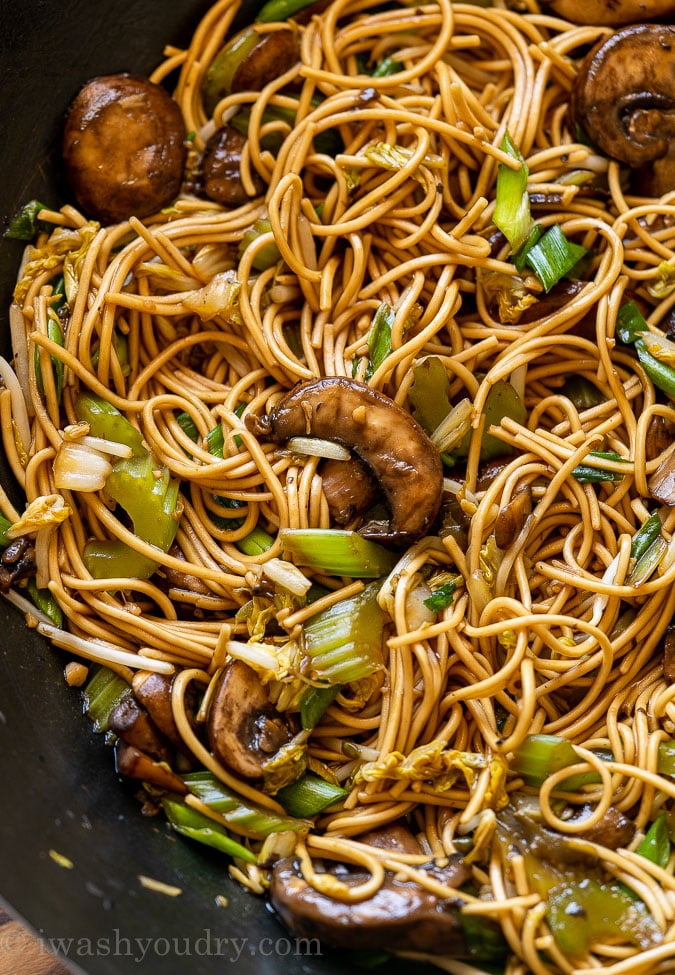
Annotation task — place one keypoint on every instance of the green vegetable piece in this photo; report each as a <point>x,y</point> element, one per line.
<point>520,257</point>
<point>314,702</point>
<point>102,693</point>
<point>220,74</point>
<point>253,819</point>
<point>512,203</point>
<point>107,422</point>
<point>660,373</point>
<point>195,825</point>
<point>581,914</point>
<point>310,795</point>
<point>484,940</point>
<point>630,323</point>
<point>25,224</point>
<point>442,597</point>
<point>645,536</point>
<point>56,335</point>
<point>46,603</point>
<point>582,392</point>
<point>587,474</point>
<point>275,10</point>
<point>256,542</point>
<point>666,758</point>
<point>379,335</point>
<point>387,67</point>
<point>345,641</point>
<point>502,400</point>
<point>5,525</point>
<point>268,255</point>
<point>553,256</point>
<point>656,843</point>
<point>337,551</point>
<point>540,756</point>
<point>428,393</point>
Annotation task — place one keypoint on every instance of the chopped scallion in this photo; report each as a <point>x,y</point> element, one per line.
<point>553,256</point>
<point>512,204</point>
<point>249,818</point>
<point>338,551</point>
<point>309,795</point>
<point>193,824</point>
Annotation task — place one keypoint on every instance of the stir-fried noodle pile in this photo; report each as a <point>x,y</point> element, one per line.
<point>381,196</point>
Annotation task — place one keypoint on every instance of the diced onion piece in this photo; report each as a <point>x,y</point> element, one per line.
<point>78,467</point>
<point>287,575</point>
<point>219,297</point>
<point>316,447</point>
<point>73,434</point>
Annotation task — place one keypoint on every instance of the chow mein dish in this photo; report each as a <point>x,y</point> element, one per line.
<point>341,400</point>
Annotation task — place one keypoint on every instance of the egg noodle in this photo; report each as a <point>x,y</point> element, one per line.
<point>550,633</point>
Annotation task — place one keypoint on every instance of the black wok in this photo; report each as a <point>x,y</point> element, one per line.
<point>58,788</point>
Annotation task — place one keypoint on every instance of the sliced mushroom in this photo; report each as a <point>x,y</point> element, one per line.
<point>249,62</point>
<point>613,13</point>
<point>400,916</point>
<point>613,830</point>
<point>624,99</point>
<point>395,448</point>
<point>221,168</point>
<point>660,436</point>
<point>244,730</point>
<point>135,764</point>
<point>153,692</point>
<point>124,147</point>
<point>661,484</point>
<point>511,517</point>
<point>132,723</point>
<point>349,487</point>
<point>17,562</point>
<point>396,837</point>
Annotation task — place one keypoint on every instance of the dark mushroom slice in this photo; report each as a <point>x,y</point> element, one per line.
<point>135,764</point>
<point>611,14</point>
<point>124,147</point>
<point>511,517</point>
<point>17,562</point>
<point>624,100</point>
<point>392,445</point>
<point>669,653</point>
<point>613,830</point>
<point>349,487</point>
<point>395,837</point>
<point>221,169</point>
<point>132,723</point>
<point>400,916</point>
<point>244,730</point>
<point>661,483</point>
<point>249,62</point>
<point>153,692</point>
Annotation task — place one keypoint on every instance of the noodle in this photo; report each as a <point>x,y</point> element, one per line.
<point>173,322</point>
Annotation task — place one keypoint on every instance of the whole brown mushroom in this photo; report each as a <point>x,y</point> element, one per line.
<point>624,99</point>
<point>124,147</point>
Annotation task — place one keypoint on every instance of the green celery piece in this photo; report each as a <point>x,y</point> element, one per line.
<point>540,756</point>
<point>512,203</point>
<point>269,255</point>
<point>103,692</point>
<point>255,543</point>
<point>387,67</point>
<point>234,810</point>
<point>344,642</point>
<point>666,758</point>
<point>656,843</point>
<point>428,393</point>
<point>314,702</point>
<point>553,256</point>
<point>217,81</point>
<point>46,603</point>
<point>310,795</point>
<point>338,551</point>
<point>107,422</point>
<point>582,392</point>
<point>660,373</point>
<point>502,400</point>
<point>56,335</point>
<point>581,914</point>
<point>193,824</point>
<point>25,225</point>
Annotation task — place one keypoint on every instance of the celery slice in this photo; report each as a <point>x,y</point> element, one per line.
<point>345,641</point>
<point>338,551</point>
<point>103,692</point>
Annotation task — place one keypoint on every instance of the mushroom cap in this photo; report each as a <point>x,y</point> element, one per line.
<point>612,14</point>
<point>624,94</point>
